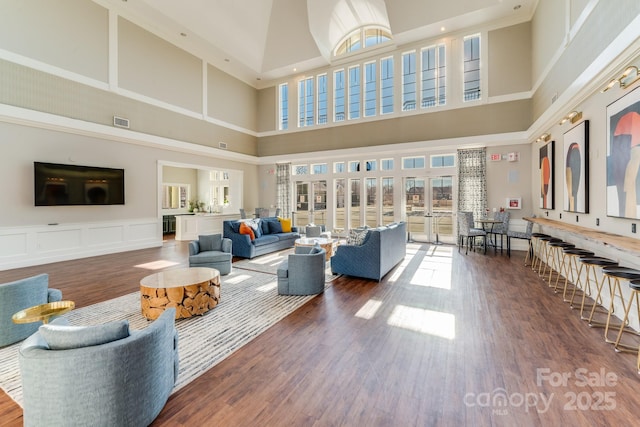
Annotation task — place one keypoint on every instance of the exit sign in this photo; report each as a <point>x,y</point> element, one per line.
<point>496,157</point>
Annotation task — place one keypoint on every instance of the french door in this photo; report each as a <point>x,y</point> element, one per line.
<point>428,208</point>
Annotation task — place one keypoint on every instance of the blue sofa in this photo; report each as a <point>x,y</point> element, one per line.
<point>381,250</point>
<point>103,375</point>
<point>266,240</point>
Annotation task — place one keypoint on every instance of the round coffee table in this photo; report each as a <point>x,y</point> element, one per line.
<point>325,243</point>
<point>192,291</point>
<point>43,312</point>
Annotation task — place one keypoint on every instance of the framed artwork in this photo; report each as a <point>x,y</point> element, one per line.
<point>623,156</point>
<point>576,162</point>
<point>514,203</point>
<point>545,166</point>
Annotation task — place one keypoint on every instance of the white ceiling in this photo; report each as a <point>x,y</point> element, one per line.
<point>261,40</point>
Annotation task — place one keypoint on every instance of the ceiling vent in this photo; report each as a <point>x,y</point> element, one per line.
<point>121,122</point>
<point>222,145</point>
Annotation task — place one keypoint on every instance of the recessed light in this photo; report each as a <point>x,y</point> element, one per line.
<point>442,29</point>
<point>295,69</point>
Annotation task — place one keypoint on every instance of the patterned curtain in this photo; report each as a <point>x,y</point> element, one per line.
<point>472,181</point>
<point>283,188</point>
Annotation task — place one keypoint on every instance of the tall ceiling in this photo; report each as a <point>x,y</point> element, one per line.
<point>262,40</point>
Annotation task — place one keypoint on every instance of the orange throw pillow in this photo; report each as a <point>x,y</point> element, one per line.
<point>245,229</point>
<point>286,224</point>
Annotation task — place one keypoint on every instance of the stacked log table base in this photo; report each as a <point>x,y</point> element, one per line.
<point>192,291</point>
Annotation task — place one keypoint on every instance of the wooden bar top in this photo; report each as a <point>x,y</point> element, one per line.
<point>615,241</point>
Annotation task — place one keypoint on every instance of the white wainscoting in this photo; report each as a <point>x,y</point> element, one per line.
<point>35,245</point>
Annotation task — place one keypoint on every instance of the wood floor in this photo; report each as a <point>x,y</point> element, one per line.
<point>446,339</point>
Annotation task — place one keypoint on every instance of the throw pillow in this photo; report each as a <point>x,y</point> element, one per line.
<point>245,229</point>
<point>210,242</point>
<point>264,223</point>
<point>255,226</point>
<point>275,227</point>
<point>235,226</point>
<point>64,337</point>
<point>356,237</point>
<point>286,224</point>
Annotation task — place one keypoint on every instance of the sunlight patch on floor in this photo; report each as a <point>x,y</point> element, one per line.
<point>424,321</point>
<point>402,266</point>
<point>369,309</point>
<point>268,287</point>
<point>157,265</point>
<point>237,279</point>
<point>269,259</point>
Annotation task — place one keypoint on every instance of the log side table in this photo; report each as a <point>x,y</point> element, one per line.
<point>192,291</point>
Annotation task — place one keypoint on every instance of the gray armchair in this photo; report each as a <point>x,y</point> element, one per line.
<point>302,273</point>
<point>213,251</point>
<point>101,375</point>
<point>18,295</point>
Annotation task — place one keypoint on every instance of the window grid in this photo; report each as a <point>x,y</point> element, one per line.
<point>386,164</point>
<point>386,85</point>
<point>322,99</point>
<point>338,96</point>
<point>354,92</point>
<point>305,102</point>
<point>408,81</point>
<point>413,162</point>
<point>471,77</point>
<point>320,168</point>
<point>339,167</point>
<point>443,160</point>
<point>433,76</point>
<point>284,107</point>
<point>370,89</point>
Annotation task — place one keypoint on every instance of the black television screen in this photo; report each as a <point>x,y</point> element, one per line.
<point>69,185</point>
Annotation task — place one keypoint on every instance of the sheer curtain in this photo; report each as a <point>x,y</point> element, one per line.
<point>472,181</point>
<point>283,188</point>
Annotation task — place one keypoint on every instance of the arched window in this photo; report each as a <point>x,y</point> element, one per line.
<point>372,36</point>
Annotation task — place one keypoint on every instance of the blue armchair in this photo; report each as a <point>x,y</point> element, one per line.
<point>18,295</point>
<point>101,375</point>
<point>302,273</point>
<point>211,251</point>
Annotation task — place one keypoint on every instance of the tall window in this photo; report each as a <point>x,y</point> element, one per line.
<point>283,119</point>
<point>340,213</point>
<point>433,76</point>
<point>387,200</point>
<point>371,212</point>
<point>322,99</point>
<point>305,102</point>
<point>409,81</point>
<point>355,203</point>
<point>471,76</point>
<point>386,85</point>
<point>353,42</point>
<point>370,89</point>
<point>354,92</point>
<point>338,96</point>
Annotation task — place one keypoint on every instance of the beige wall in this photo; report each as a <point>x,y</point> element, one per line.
<point>230,100</point>
<point>509,58</point>
<point>479,120</point>
<point>69,34</point>
<point>507,179</point>
<point>155,68</point>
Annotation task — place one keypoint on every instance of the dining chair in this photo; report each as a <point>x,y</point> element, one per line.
<point>466,229</point>
<point>501,228</point>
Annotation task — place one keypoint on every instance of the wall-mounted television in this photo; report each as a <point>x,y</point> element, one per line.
<point>71,185</point>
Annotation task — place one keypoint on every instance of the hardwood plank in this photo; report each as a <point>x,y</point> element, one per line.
<point>324,365</point>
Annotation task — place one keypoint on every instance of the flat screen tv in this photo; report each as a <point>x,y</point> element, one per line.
<point>71,185</point>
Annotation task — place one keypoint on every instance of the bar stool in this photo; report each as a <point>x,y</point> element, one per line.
<point>554,255</point>
<point>572,270</point>
<point>616,274</point>
<point>544,254</point>
<point>535,248</point>
<point>634,286</point>
<point>590,264</point>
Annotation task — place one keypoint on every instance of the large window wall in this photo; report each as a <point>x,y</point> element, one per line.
<point>349,193</point>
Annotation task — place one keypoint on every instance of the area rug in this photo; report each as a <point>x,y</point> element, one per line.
<point>269,264</point>
<point>249,305</point>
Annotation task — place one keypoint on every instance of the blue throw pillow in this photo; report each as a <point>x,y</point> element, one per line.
<point>275,227</point>
<point>264,224</point>
<point>235,226</point>
<point>64,337</point>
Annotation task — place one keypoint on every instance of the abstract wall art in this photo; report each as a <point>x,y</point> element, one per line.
<point>576,176</point>
<point>623,156</point>
<point>545,166</point>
